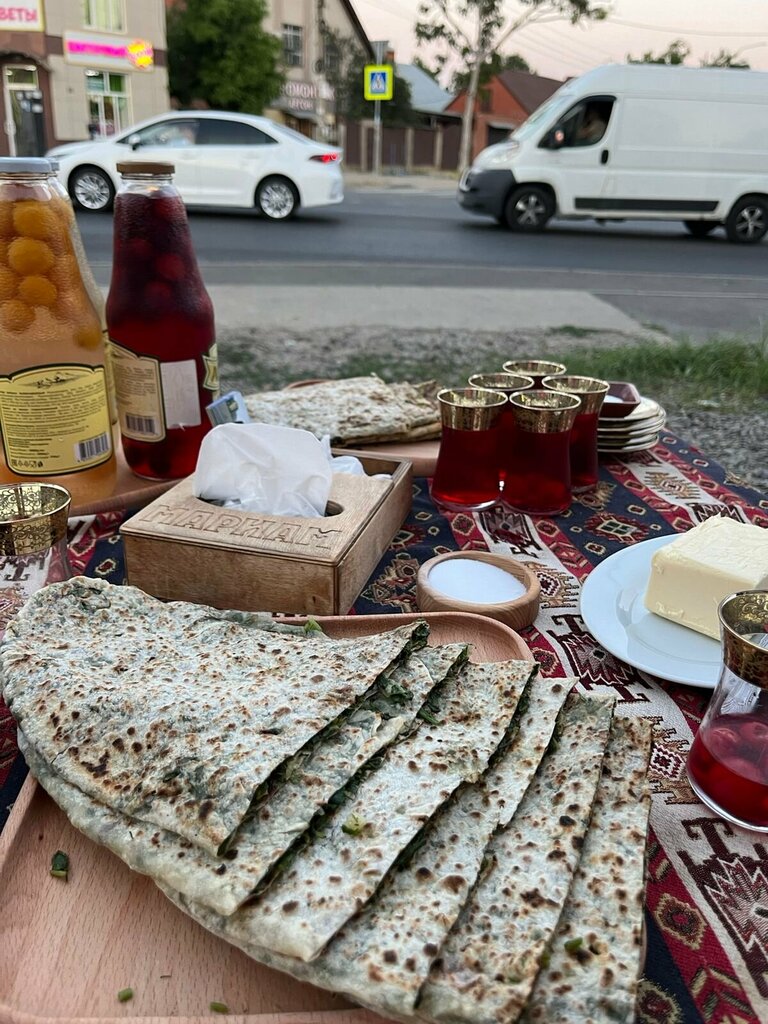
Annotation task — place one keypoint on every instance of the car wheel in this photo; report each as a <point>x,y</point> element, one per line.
<point>747,222</point>
<point>700,228</point>
<point>529,208</point>
<point>277,198</point>
<point>91,190</point>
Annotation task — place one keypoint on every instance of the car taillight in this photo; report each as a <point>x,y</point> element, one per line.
<point>326,158</point>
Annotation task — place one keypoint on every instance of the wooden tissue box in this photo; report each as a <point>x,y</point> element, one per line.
<point>181,548</point>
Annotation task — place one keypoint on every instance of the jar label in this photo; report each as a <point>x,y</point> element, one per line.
<point>139,394</point>
<point>211,364</point>
<point>55,419</point>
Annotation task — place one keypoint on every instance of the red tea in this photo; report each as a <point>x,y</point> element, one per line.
<point>467,472</point>
<point>584,468</point>
<point>538,472</point>
<point>160,321</point>
<point>728,764</point>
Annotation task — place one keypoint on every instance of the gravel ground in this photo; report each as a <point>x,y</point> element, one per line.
<point>257,360</point>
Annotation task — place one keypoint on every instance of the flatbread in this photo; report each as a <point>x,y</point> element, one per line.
<point>489,962</point>
<point>334,874</point>
<point>167,713</point>
<point>595,956</point>
<point>381,957</point>
<point>351,411</point>
<point>301,787</point>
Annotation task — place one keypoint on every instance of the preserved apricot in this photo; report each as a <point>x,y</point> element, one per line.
<point>89,337</point>
<point>16,315</point>
<point>36,220</point>
<point>38,291</point>
<point>29,256</point>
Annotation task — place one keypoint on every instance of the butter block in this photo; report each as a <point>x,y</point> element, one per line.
<point>694,572</point>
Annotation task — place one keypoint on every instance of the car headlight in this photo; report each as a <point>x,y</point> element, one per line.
<point>500,155</point>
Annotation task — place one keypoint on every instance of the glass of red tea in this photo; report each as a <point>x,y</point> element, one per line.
<point>728,761</point>
<point>592,392</point>
<point>508,384</point>
<point>538,369</point>
<point>467,471</point>
<point>537,464</point>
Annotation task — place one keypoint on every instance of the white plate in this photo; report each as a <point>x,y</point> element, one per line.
<point>613,611</point>
<point>629,449</point>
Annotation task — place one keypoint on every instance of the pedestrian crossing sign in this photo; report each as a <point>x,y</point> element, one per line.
<point>378,81</point>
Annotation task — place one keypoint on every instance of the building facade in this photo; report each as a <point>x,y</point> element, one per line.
<point>74,69</point>
<point>503,104</point>
<point>308,29</point>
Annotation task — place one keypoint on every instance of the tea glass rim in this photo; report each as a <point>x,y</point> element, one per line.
<point>557,382</point>
<point>530,363</point>
<point>441,397</point>
<point>471,380</point>
<point>722,608</point>
<point>65,499</point>
<point>524,400</point>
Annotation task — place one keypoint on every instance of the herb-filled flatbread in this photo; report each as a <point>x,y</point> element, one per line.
<point>168,714</point>
<point>594,960</point>
<point>333,875</point>
<point>381,957</point>
<point>489,962</point>
<point>278,817</point>
<point>351,411</point>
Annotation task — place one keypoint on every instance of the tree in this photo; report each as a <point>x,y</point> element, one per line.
<point>724,59</point>
<point>474,30</point>
<point>219,53</point>
<point>675,53</point>
<point>490,69</point>
<point>344,71</point>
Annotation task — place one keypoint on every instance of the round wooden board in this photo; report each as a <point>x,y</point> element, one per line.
<point>127,490</point>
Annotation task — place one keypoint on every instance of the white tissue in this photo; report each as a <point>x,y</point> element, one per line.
<point>257,467</point>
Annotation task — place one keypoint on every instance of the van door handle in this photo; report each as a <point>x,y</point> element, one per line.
<point>604,157</point>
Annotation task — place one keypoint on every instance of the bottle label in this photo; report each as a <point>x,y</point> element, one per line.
<point>153,396</point>
<point>55,419</point>
<point>211,364</point>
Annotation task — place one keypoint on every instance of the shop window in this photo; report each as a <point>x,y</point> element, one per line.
<point>106,15</point>
<point>231,133</point>
<point>108,103</point>
<point>293,45</point>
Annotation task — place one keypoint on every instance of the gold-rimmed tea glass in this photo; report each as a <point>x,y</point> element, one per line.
<point>508,384</point>
<point>592,392</point>
<point>466,475</point>
<point>538,369</point>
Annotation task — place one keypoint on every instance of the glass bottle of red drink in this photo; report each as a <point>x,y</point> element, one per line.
<point>160,322</point>
<point>728,761</point>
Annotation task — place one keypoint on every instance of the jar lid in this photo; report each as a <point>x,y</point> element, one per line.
<point>145,167</point>
<point>55,164</point>
<point>24,165</point>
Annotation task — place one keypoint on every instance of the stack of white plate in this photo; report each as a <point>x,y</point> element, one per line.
<point>636,432</point>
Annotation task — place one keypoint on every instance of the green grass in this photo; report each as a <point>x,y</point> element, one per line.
<point>728,373</point>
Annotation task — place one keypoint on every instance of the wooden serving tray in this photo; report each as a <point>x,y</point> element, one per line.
<point>127,491</point>
<point>68,948</point>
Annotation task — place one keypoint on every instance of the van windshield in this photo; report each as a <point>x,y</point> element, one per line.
<point>540,114</point>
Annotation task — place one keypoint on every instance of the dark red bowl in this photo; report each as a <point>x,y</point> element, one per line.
<point>621,399</point>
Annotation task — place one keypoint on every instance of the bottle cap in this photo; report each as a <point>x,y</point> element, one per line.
<point>24,165</point>
<point>145,167</point>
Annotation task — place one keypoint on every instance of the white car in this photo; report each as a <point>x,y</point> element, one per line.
<point>221,159</point>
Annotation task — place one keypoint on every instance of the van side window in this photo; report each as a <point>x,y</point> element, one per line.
<point>586,123</point>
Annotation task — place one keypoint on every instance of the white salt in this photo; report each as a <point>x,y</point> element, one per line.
<point>468,579</point>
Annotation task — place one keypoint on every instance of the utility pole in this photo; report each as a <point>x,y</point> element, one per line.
<point>380,45</point>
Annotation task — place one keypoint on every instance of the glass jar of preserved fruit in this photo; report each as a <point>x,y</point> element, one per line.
<point>54,413</point>
<point>161,329</point>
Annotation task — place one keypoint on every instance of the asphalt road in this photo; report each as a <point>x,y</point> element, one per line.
<point>656,273</point>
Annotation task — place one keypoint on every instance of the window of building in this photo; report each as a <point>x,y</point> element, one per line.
<point>108,103</point>
<point>293,45</point>
<point>331,57</point>
<point>106,15</point>
<point>231,133</point>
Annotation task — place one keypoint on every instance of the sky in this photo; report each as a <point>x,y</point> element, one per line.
<point>560,50</point>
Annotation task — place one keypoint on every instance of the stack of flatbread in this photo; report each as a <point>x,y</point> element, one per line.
<point>358,410</point>
<point>434,838</point>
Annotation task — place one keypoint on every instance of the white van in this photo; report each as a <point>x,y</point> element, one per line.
<point>635,141</point>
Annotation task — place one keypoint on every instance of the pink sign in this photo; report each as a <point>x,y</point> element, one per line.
<point>107,51</point>
<point>26,17</point>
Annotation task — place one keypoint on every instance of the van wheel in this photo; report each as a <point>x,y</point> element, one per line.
<point>700,228</point>
<point>529,208</point>
<point>747,222</point>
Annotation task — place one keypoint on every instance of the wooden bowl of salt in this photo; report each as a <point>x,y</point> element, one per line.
<point>477,581</point>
